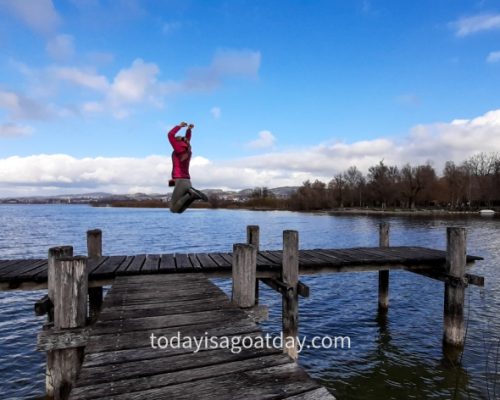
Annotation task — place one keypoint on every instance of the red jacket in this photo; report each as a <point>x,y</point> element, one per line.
<point>181,156</point>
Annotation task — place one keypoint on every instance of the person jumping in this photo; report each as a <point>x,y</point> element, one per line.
<point>184,194</point>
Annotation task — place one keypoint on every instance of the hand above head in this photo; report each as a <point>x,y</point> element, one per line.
<point>190,126</point>
<point>183,124</point>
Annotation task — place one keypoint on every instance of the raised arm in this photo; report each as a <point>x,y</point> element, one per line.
<point>188,132</point>
<point>171,137</point>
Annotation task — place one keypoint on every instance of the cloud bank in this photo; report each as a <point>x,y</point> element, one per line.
<point>439,142</point>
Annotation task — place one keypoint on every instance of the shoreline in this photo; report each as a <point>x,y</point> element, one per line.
<point>333,211</point>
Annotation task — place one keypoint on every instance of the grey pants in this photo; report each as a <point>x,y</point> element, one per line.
<point>181,198</point>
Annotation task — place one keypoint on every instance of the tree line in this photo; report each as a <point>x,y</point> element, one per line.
<point>470,185</point>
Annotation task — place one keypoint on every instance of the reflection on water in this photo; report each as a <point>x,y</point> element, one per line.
<point>398,358</point>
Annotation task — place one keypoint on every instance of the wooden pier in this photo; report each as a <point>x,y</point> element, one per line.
<point>120,362</point>
<point>169,294</point>
<point>31,274</point>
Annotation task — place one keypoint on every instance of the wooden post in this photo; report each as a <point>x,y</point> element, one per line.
<point>70,311</point>
<point>54,253</point>
<point>253,235</point>
<point>94,250</point>
<point>253,239</point>
<point>290,276</point>
<point>94,243</point>
<point>454,290</point>
<point>244,271</point>
<point>383,276</point>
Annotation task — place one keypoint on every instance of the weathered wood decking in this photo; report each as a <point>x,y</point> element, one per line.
<point>32,273</point>
<point>120,362</point>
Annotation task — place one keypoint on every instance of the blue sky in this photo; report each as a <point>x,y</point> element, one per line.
<point>279,92</point>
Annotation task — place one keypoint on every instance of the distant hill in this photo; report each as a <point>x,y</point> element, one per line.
<point>85,198</point>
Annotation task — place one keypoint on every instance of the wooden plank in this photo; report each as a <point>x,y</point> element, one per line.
<point>113,313</point>
<point>58,339</point>
<point>138,368</point>
<point>102,327</point>
<point>136,264</point>
<point>309,260</point>
<point>151,264</point>
<point>206,261</point>
<point>182,261</point>
<point>124,265</point>
<point>94,263</point>
<point>263,261</point>
<point>136,385</point>
<point>171,305</point>
<point>274,257</point>
<point>271,382</point>
<point>108,267</point>
<point>8,263</point>
<point>315,394</point>
<point>17,267</point>
<point>194,261</point>
<point>141,339</point>
<point>4,263</point>
<point>167,263</point>
<point>162,297</point>
<point>26,271</point>
<point>220,260</point>
<point>141,353</point>
<point>228,257</point>
<point>326,258</point>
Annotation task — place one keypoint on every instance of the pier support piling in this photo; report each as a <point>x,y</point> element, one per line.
<point>94,250</point>
<point>253,238</point>
<point>53,254</point>
<point>70,311</point>
<point>244,272</point>
<point>454,290</point>
<point>383,276</point>
<point>290,276</point>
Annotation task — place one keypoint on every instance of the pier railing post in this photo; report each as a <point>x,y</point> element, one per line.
<point>244,272</point>
<point>383,276</point>
<point>454,291</point>
<point>70,311</point>
<point>290,276</point>
<point>53,254</point>
<point>253,239</point>
<point>94,250</point>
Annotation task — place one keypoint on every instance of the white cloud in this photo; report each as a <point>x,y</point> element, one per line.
<point>134,84</point>
<point>13,130</point>
<point>79,77</point>
<point>63,171</point>
<point>132,87</point>
<point>266,139</point>
<point>39,15</point>
<point>469,25</point>
<point>493,57</point>
<point>225,64</point>
<point>244,63</point>
<point>216,112</point>
<point>20,107</point>
<point>61,47</point>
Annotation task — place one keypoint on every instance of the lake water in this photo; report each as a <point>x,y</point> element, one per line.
<point>400,359</point>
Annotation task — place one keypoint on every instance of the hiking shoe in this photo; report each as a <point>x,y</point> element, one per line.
<point>200,195</point>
